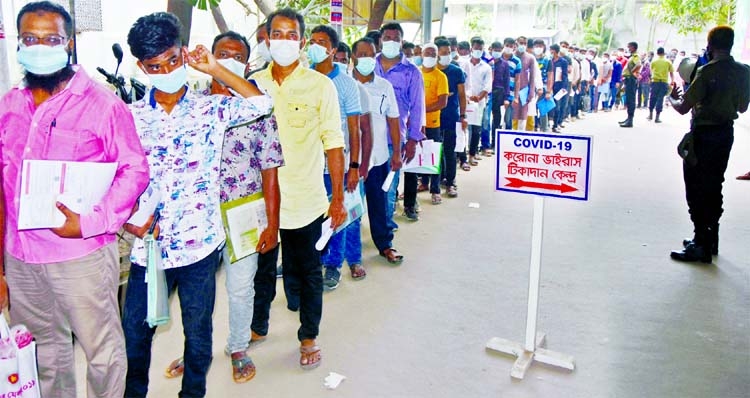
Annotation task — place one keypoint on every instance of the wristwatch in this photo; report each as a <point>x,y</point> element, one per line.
<point>353,165</point>
<point>462,116</point>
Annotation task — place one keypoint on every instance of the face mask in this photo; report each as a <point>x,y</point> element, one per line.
<point>538,50</point>
<point>477,54</point>
<point>391,49</point>
<point>444,60</point>
<point>417,59</point>
<point>507,50</point>
<point>236,67</point>
<point>497,54</point>
<point>606,59</point>
<point>465,57</point>
<point>41,59</point>
<point>365,65</point>
<point>263,51</point>
<point>316,53</point>
<point>564,51</point>
<point>429,62</point>
<point>171,82</point>
<point>454,54</point>
<point>589,57</point>
<point>284,52</point>
<point>521,49</point>
<point>627,53</point>
<point>342,66</point>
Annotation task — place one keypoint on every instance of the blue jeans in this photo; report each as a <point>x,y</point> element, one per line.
<point>486,125</point>
<point>382,234</point>
<point>240,285</point>
<point>392,196</point>
<point>658,91</point>
<point>345,244</point>
<point>196,288</point>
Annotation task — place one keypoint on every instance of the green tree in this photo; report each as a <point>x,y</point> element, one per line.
<point>692,16</point>
<point>478,21</point>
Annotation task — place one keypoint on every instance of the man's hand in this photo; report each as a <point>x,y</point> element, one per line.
<point>676,92</point>
<point>396,161</point>
<point>72,226</point>
<point>410,149</point>
<point>539,92</point>
<point>337,212</point>
<point>142,230</point>
<point>548,95</point>
<point>506,103</point>
<point>464,124</point>
<point>202,60</point>
<point>363,172</point>
<point>474,98</point>
<point>352,179</point>
<point>3,293</point>
<point>269,239</point>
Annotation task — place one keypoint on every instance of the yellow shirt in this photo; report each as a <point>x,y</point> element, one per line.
<point>435,85</point>
<point>660,69</point>
<point>307,112</point>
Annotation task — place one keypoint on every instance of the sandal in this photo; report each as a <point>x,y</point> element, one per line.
<point>358,272</point>
<point>243,368</point>
<point>466,167</point>
<point>175,369</point>
<point>309,357</point>
<point>392,255</point>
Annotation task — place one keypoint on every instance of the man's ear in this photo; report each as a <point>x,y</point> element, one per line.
<point>302,43</point>
<point>140,66</point>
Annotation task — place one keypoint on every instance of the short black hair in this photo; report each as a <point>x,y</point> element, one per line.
<point>464,45</point>
<point>46,7</point>
<point>154,34</point>
<point>633,44</point>
<point>453,41</point>
<point>442,43</point>
<point>232,35</point>
<point>496,44</point>
<point>555,47</point>
<point>365,39</point>
<point>721,37</point>
<point>540,42</point>
<point>563,42</point>
<point>509,40</point>
<point>333,37</point>
<point>344,48</point>
<point>408,44</point>
<point>286,13</point>
<point>438,38</point>
<point>373,35</point>
<point>660,51</point>
<point>392,26</point>
<point>477,40</point>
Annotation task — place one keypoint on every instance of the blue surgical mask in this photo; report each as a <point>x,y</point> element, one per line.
<point>365,65</point>
<point>391,49</point>
<point>317,53</point>
<point>417,59</point>
<point>171,82</point>
<point>521,49</point>
<point>41,59</point>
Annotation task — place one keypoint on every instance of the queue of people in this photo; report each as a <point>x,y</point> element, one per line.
<point>302,136</point>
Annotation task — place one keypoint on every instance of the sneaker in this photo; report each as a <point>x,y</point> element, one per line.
<point>452,191</point>
<point>331,279</point>
<point>411,214</point>
<point>436,199</point>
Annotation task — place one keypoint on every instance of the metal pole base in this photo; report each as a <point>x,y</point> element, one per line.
<point>524,358</point>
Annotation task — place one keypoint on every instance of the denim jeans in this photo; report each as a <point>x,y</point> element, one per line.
<point>392,195</point>
<point>345,244</point>
<point>486,125</point>
<point>658,91</point>
<point>644,88</point>
<point>382,235</point>
<point>240,285</point>
<point>508,118</point>
<point>302,276</point>
<point>265,290</point>
<point>449,155</point>
<point>196,288</point>
<point>433,133</point>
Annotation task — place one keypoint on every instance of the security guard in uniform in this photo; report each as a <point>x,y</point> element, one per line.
<point>720,89</point>
<point>631,70</point>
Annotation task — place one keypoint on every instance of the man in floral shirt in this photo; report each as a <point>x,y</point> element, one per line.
<point>182,133</point>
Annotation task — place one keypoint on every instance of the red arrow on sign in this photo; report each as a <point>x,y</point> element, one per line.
<point>519,183</point>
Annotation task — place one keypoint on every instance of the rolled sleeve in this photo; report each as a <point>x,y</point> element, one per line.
<point>123,145</point>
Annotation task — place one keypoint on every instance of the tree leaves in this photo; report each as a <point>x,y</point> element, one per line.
<point>691,16</point>
<point>204,4</point>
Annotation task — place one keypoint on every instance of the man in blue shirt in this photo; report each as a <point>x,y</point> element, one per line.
<point>454,112</point>
<point>557,80</point>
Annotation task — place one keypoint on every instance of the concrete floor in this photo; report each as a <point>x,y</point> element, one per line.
<point>637,323</point>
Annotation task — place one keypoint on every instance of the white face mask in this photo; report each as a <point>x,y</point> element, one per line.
<point>538,50</point>
<point>284,52</point>
<point>236,67</point>
<point>444,60</point>
<point>507,50</point>
<point>263,51</point>
<point>477,54</point>
<point>365,65</point>
<point>391,49</point>
<point>589,57</point>
<point>497,54</point>
<point>429,62</point>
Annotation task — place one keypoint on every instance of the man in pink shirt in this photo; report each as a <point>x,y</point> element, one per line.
<point>63,281</point>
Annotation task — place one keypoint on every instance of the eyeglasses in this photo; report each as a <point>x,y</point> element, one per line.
<point>51,40</point>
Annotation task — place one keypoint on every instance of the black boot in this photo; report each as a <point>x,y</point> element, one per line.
<point>650,115</point>
<point>628,123</point>
<point>657,118</point>
<point>691,253</point>
<point>714,240</point>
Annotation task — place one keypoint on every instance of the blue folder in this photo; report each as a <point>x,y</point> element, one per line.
<point>545,106</point>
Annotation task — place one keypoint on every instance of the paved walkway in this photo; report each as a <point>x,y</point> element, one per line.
<point>638,323</point>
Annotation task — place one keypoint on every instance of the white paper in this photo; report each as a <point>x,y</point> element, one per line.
<point>426,158</point>
<point>473,115</point>
<point>333,380</point>
<point>77,185</point>
<point>325,233</point>
<point>474,205</point>
<point>388,181</point>
<point>560,94</point>
<point>558,73</point>
<point>147,204</point>
<point>460,138</point>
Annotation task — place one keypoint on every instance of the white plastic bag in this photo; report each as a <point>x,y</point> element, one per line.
<point>18,371</point>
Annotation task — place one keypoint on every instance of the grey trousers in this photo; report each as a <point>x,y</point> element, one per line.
<point>56,301</point>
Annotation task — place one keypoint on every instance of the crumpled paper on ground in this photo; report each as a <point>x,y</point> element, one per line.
<point>333,380</point>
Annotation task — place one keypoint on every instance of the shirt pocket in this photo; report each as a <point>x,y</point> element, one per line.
<point>81,145</point>
<point>300,113</point>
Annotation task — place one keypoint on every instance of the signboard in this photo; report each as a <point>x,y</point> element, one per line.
<point>337,12</point>
<point>543,164</point>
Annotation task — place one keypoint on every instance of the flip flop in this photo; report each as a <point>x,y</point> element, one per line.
<point>358,272</point>
<point>243,369</point>
<point>175,369</point>
<point>305,353</point>
<point>392,255</point>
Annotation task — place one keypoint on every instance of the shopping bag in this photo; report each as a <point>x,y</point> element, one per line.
<point>460,138</point>
<point>18,371</point>
<point>156,284</point>
<point>427,158</point>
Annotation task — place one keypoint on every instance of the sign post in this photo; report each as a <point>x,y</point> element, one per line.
<point>540,165</point>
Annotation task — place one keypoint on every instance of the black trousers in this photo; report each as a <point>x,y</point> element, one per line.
<point>703,182</point>
<point>265,290</point>
<point>630,88</point>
